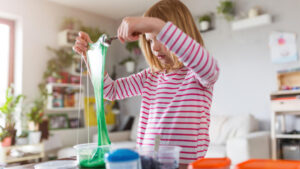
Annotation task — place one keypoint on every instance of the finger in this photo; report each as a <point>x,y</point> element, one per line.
<point>120,31</point>
<point>81,43</point>
<point>81,40</point>
<point>77,50</point>
<point>85,36</point>
<point>80,50</point>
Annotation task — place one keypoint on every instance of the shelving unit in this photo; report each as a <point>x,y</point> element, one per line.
<point>251,22</point>
<point>281,108</point>
<point>69,111</point>
<point>36,152</point>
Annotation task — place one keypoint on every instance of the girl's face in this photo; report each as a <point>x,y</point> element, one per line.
<point>159,50</point>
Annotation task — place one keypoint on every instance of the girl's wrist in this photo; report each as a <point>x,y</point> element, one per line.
<point>157,24</point>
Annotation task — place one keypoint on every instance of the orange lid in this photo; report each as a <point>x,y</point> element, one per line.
<point>210,163</point>
<point>268,164</point>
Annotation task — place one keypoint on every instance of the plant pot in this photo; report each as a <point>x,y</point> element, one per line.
<point>130,66</point>
<point>51,79</point>
<point>64,77</point>
<point>7,142</point>
<point>22,141</point>
<point>34,137</point>
<point>204,25</point>
<point>253,13</point>
<point>33,126</point>
<point>13,133</point>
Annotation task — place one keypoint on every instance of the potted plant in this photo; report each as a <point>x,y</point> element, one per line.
<point>226,8</point>
<point>205,22</point>
<point>5,138</point>
<point>35,114</point>
<point>8,111</point>
<point>35,117</point>
<point>22,139</point>
<point>130,62</point>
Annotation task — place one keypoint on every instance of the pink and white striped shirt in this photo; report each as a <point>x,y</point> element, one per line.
<point>174,105</point>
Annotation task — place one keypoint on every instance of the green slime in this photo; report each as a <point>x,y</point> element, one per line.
<point>96,63</point>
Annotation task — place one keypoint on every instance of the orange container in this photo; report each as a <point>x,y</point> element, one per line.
<point>268,164</point>
<point>210,163</point>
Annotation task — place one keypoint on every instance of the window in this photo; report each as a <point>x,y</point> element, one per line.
<point>6,56</point>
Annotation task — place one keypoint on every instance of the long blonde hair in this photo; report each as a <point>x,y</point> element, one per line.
<point>177,13</point>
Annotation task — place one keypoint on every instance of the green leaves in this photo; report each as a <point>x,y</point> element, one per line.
<point>8,108</point>
<point>36,112</point>
<point>226,7</point>
<point>205,18</point>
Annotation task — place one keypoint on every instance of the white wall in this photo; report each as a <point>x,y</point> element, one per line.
<point>247,74</point>
<point>39,22</point>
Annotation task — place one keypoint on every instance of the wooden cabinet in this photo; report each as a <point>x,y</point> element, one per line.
<point>282,103</point>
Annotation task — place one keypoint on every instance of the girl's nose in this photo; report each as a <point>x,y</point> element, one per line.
<point>156,46</point>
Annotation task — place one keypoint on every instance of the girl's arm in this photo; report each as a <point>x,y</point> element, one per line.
<point>190,53</point>
<point>124,87</point>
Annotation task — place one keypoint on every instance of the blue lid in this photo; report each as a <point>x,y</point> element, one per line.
<point>121,155</point>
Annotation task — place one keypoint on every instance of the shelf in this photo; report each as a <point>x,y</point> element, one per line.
<point>60,109</point>
<point>285,92</point>
<point>25,158</point>
<point>64,85</point>
<point>251,22</point>
<point>36,151</point>
<point>286,106</point>
<point>288,136</point>
<point>70,129</point>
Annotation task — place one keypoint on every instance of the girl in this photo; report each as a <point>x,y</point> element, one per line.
<point>177,89</point>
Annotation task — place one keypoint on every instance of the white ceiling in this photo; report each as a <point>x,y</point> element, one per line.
<point>117,9</point>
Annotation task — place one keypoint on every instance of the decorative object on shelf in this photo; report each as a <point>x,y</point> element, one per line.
<point>288,79</point>
<point>254,12</point>
<point>226,8</point>
<point>36,113</point>
<point>58,121</point>
<point>283,47</point>
<point>75,123</point>
<point>63,59</point>
<point>8,110</point>
<point>5,138</point>
<point>58,97</point>
<point>22,139</point>
<point>205,22</point>
<point>130,62</point>
<point>34,137</point>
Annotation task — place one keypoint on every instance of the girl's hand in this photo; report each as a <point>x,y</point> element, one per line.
<point>132,27</point>
<point>82,44</point>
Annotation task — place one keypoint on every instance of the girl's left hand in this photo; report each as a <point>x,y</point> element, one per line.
<point>132,27</point>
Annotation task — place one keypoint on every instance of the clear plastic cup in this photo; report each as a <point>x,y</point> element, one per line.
<point>91,155</point>
<point>167,156</point>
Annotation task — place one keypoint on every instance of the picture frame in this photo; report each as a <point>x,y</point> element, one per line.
<point>75,123</point>
<point>58,121</point>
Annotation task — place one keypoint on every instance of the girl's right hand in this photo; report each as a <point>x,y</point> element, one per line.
<point>82,44</point>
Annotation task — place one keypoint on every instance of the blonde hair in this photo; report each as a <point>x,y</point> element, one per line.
<point>177,13</point>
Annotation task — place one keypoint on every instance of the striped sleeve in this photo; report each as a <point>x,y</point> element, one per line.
<point>190,53</point>
<point>124,87</point>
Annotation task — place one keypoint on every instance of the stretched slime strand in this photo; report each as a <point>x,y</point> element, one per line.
<point>96,63</point>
